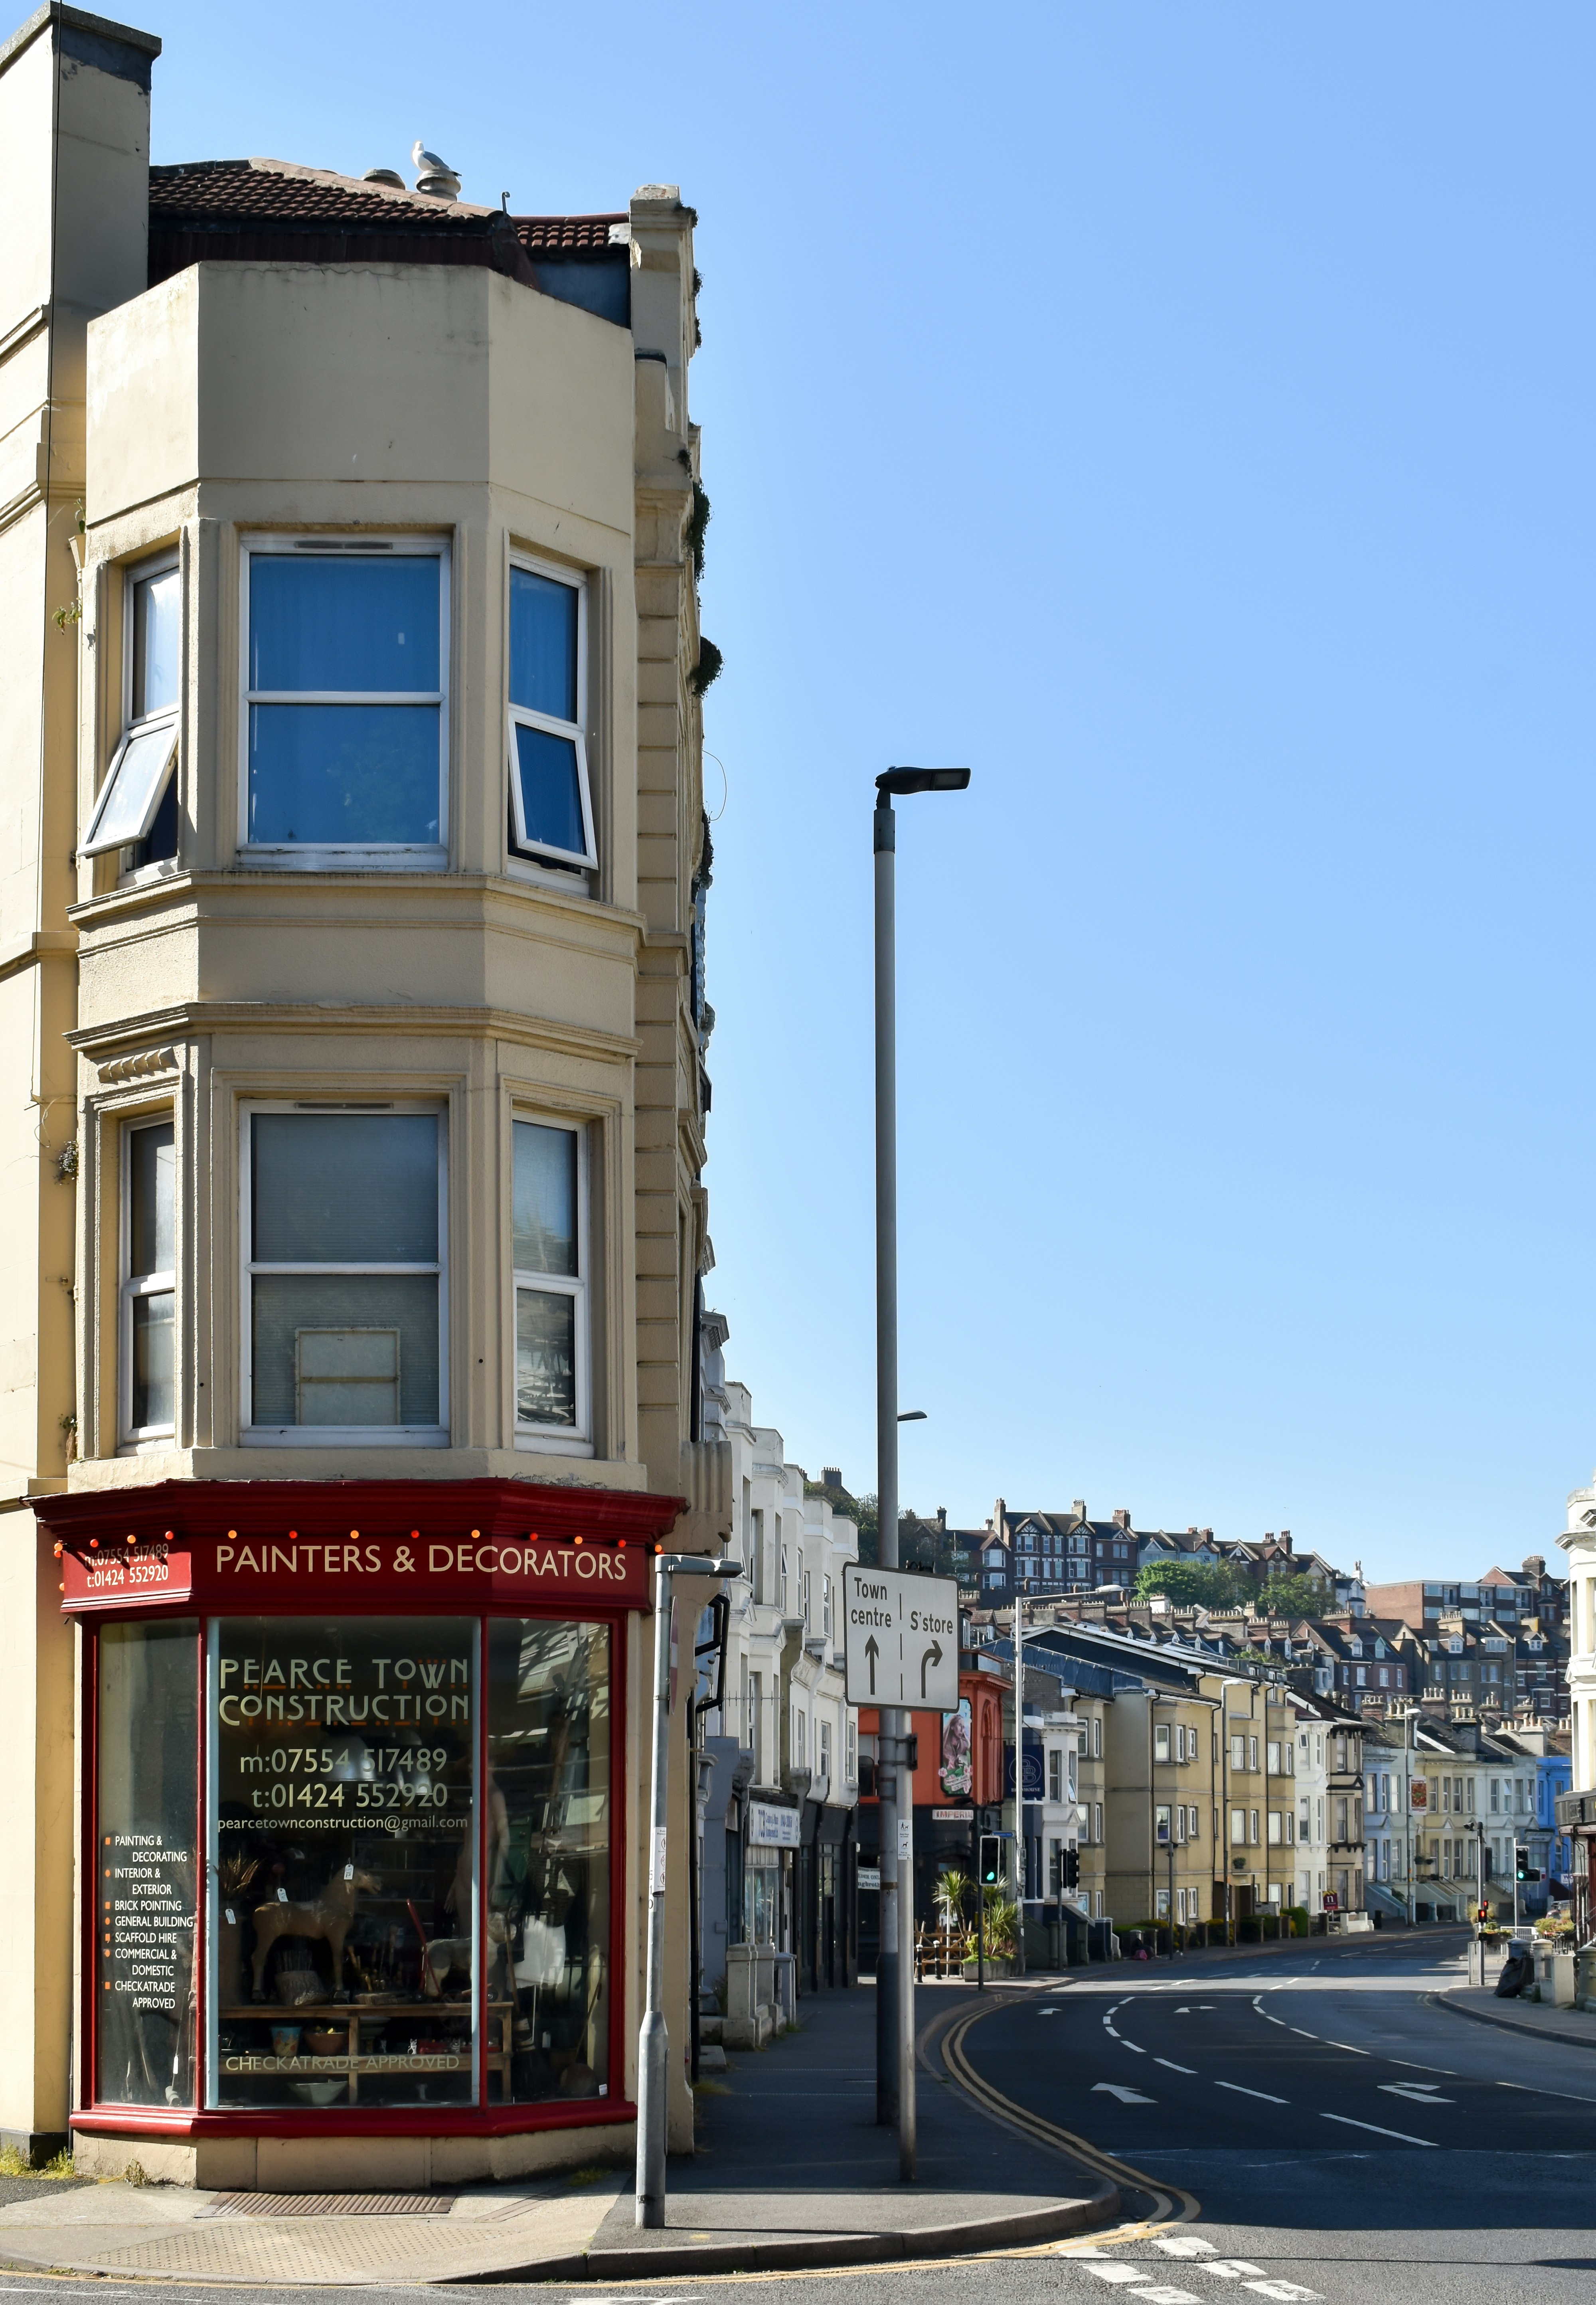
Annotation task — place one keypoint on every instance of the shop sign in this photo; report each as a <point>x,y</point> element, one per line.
<point>869,1877</point>
<point>770,1827</point>
<point>239,1570</point>
<point>953,1816</point>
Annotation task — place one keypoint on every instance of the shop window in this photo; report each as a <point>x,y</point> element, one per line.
<point>550,1257</point>
<point>345,691</point>
<point>147,1814</point>
<point>549,1817</point>
<point>148,1281</point>
<point>137,808</point>
<point>343,1215</point>
<point>551,807</point>
<point>343,1921</point>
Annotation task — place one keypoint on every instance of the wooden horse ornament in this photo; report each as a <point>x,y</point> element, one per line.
<point>329,1920</point>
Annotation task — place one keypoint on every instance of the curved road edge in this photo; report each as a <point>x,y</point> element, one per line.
<point>1170,2205</point>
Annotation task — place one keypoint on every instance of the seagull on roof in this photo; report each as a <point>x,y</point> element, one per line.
<point>428,164</point>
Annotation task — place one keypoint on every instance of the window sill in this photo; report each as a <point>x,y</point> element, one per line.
<point>575,880</point>
<point>345,1436</point>
<point>428,859</point>
<point>530,1438</point>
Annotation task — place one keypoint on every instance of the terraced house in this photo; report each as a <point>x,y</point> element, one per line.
<point>351,999</point>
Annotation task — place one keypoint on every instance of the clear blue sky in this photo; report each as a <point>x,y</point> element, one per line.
<point>1182,414</point>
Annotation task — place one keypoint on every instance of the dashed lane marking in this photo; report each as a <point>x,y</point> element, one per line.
<point>1184,2245</point>
<point>1375,2130</point>
<point>1264,2094</point>
<point>1174,2068</point>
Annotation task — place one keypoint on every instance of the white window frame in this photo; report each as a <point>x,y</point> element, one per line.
<point>158,565</point>
<point>131,1285</point>
<point>525,851</point>
<point>338,1436</point>
<point>823,1749</point>
<point>557,1439</point>
<point>367,855</point>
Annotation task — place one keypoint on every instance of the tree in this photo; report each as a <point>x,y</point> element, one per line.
<point>1201,1584</point>
<point>1294,1596</point>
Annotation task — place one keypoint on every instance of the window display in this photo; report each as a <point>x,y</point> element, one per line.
<point>548,1830</point>
<point>344,1863</point>
<point>148,1723</point>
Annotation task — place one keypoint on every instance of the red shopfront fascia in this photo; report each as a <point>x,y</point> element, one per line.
<point>355,1548</point>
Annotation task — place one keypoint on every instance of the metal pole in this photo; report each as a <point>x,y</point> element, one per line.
<point>654,2045</point>
<point>1019,1785</point>
<point>895,1963</point>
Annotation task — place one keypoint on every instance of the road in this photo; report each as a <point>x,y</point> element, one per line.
<point>1324,2135</point>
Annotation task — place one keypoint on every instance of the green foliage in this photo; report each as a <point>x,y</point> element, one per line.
<point>1221,1585</point>
<point>708,668</point>
<point>1000,1920</point>
<point>14,2162</point>
<point>1202,1584</point>
<point>953,1892</point>
<point>1295,1596</point>
<point>696,528</point>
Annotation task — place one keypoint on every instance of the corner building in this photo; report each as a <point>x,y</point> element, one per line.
<point>352,995</point>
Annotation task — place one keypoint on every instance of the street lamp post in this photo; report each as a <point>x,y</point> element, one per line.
<point>653,2047</point>
<point>894,1960</point>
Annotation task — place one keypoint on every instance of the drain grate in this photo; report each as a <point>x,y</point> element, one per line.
<point>330,2205</point>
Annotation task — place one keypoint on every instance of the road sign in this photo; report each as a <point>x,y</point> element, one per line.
<point>901,1638</point>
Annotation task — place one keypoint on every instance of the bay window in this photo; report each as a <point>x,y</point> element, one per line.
<point>148,1324</point>
<point>137,807</point>
<point>344,1225</point>
<point>550,1261</point>
<point>345,722</point>
<point>551,807</point>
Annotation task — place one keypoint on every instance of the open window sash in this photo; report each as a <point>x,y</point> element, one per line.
<point>134,789</point>
<point>550,803</point>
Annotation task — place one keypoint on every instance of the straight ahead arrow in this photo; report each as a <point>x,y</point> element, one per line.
<point>1126,2096</point>
<point>872,1652</point>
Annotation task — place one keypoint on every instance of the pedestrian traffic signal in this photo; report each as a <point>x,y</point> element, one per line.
<point>991,1858</point>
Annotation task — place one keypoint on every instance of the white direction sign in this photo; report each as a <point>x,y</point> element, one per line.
<point>901,1638</point>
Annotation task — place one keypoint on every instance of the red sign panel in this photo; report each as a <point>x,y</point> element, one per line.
<point>270,1547</point>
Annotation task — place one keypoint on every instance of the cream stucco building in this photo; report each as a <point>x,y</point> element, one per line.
<point>351,989</point>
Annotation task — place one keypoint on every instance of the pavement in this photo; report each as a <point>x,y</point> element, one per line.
<point>1574,2027</point>
<point>791,2172</point>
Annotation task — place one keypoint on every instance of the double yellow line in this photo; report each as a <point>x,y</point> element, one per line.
<point>1171,2204</point>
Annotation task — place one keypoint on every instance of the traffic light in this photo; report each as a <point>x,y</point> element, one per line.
<point>1070,1874</point>
<point>991,1858</point>
<point>1521,1859</point>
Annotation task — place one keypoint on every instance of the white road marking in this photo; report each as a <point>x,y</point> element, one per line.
<point>1307,2037</point>
<point>1415,2092</point>
<point>1184,2010</point>
<point>1047,2013</point>
<point>1126,2096</point>
<point>1374,2128</point>
<point>1413,2066</point>
<point>1173,2066</point>
<point>1264,2094</point>
<point>1134,2045</point>
<point>1116,2273</point>
<point>1286,2292</point>
<point>1528,2091</point>
<point>1348,2048</point>
<point>1229,2268</point>
<point>1183,2245</point>
<point>1272,2021</point>
<point>1162,2294</point>
<point>1205,2005</point>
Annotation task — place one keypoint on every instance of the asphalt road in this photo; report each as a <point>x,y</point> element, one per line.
<point>1343,2143</point>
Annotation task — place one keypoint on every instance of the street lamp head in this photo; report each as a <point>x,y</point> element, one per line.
<point>910,1416</point>
<point>918,780</point>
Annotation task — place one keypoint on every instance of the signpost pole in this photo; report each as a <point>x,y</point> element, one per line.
<point>895,1801</point>
<point>653,2047</point>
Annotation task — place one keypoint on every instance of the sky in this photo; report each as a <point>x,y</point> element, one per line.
<point>1180,413</point>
